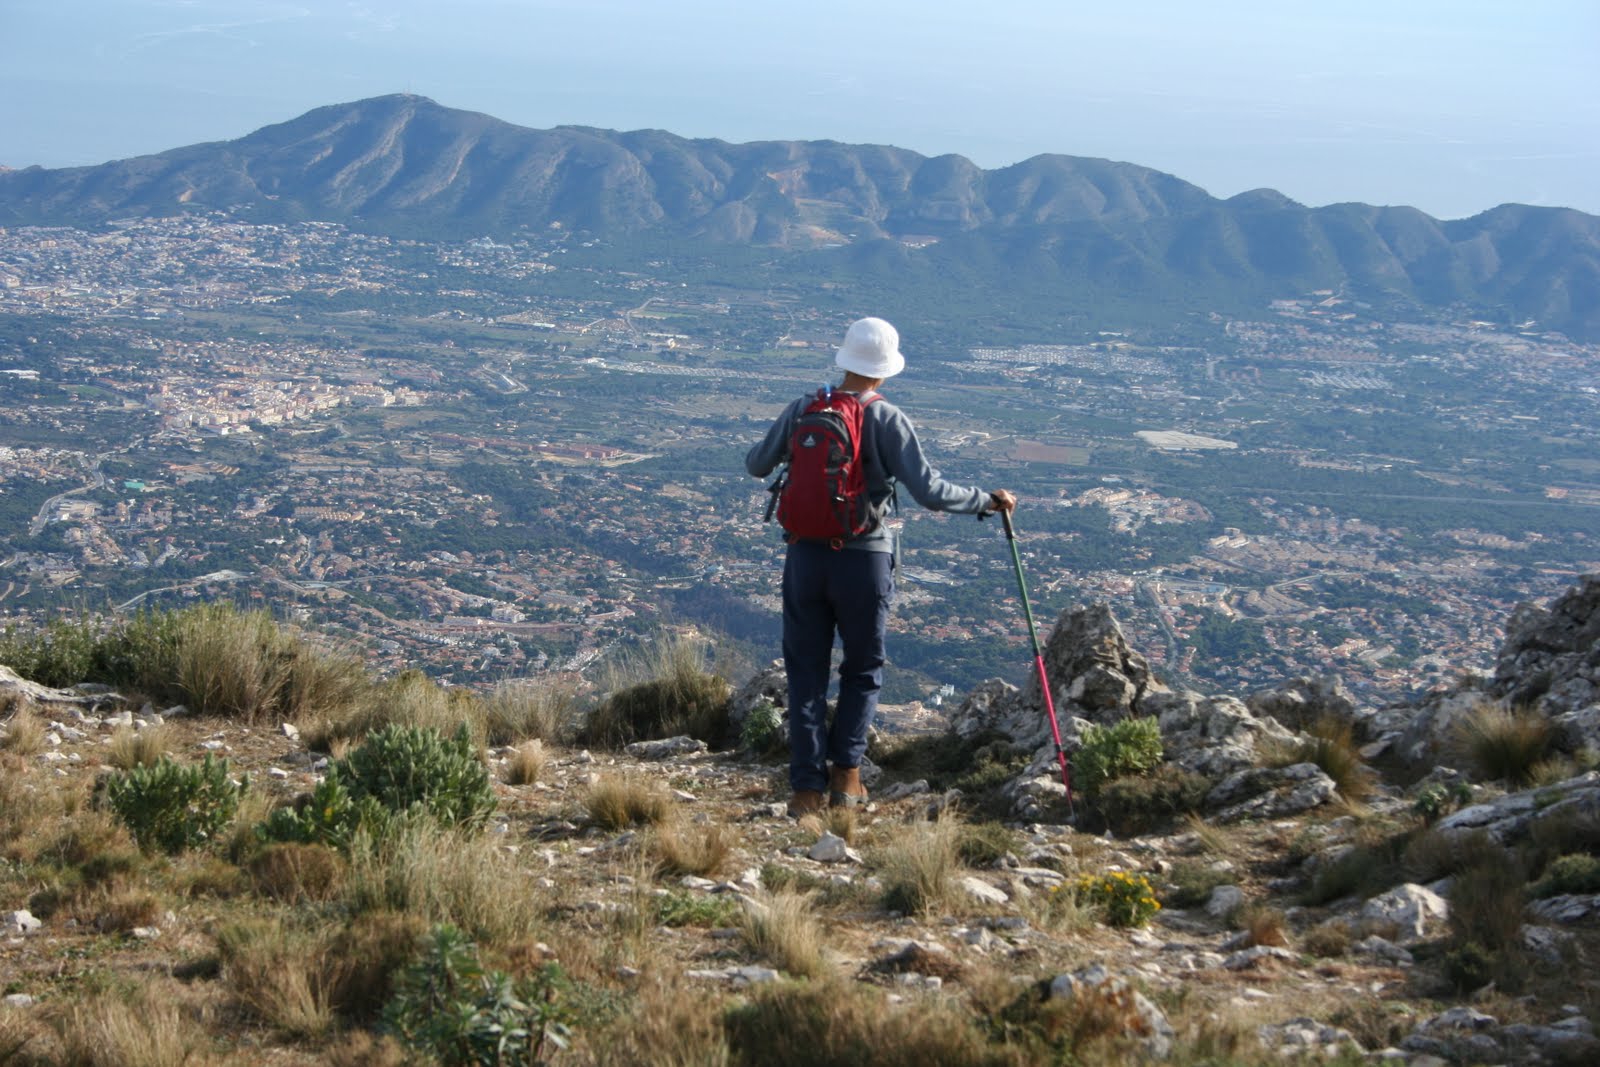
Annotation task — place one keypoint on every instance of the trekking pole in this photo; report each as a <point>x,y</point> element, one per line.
<point>1038,660</point>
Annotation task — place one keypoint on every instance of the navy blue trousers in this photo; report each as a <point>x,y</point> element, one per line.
<point>828,591</point>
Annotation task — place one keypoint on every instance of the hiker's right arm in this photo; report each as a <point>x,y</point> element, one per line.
<point>772,450</point>
<point>901,455</point>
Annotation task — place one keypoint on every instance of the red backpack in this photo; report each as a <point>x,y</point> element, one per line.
<point>822,494</point>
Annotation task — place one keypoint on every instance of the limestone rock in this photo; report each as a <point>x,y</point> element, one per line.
<point>1427,730</point>
<point>1301,702</point>
<point>982,891</point>
<point>1552,655</point>
<point>19,922</point>
<point>1279,792</point>
<point>1417,911</point>
<point>830,848</point>
<point>1213,736</point>
<point>770,685</point>
<point>1305,1036</point>
<point>666,748</point>
<point>1091,667</point>
<point>1140,1018</point>
<point>19,688</point>
<point>1224,901</point>
<point>996,707</point>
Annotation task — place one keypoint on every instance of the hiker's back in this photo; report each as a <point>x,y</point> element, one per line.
<point>823,496</point>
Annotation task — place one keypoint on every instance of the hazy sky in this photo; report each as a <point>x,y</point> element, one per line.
<point>1453,106</point>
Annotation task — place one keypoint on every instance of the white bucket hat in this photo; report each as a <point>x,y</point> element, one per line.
<point>872,349</point>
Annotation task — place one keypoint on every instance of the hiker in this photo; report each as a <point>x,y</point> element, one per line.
<point>844,581</point>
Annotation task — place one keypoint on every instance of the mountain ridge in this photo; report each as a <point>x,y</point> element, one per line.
<point>409,165</point>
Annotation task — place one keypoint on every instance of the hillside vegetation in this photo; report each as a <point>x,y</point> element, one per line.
<point>226,844</point>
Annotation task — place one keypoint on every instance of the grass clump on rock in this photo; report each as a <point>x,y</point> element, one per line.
<point>1504,744</point>
<point>671,694</point>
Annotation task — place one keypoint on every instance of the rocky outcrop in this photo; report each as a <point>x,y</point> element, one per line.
<point>1093,672</point>
<point>1551,656</point>
<point>15,689</point>
<point>1097,679</point>
<point>1302,702</point>
<point>1551,662</point>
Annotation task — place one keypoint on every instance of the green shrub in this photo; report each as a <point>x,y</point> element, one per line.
<point>407,767</point>
<point>1140,804</point>
<point>329,816</point>
<point>446,1005</point>
<point>984,844</point>
<point>762,731</point>
<point>1436,800</point>
<point>1126,899</point>
<point>1486,911</point>
<point>399,770</point>
<point>142,652</point>
<point>172,806</point>
<point>1191,883</point>
<point>59,654</point>
<point>1576,872</point>
<point>1131,746</point>
<point>691,909</point>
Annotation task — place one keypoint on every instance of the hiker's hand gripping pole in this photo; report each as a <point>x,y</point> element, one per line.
<point>1038,659</point>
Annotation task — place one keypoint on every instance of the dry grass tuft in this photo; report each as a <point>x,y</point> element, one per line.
<point>664,692</point>
<point>836,1024</point>
<point>17,1033</point>
<point>698,850</point>
<point>132,748</point>
<point>527,763</point>
<point>303,979</point>
<point>1327,940</point>
<point>295,873</point>
<point>619,801</point>
<point>524,710</point>
<point>1504,744</point>
<point>841,822</point>
<point>1486,912</point>
<point>410,698</point>
<point>144,1028</point>
<point>443,875</point>
<point>118,911</point>
<point>783,929</point>
<point>361,1049</point>
<point>285,977</point>
<point>1214,840</point>
<point>240,841</point>
<point>1434,854</point>
<point>24,734</point>
<point>1263,925</point>
<point>919,867</point>
<point>1331,746</point>
<point>243,665</point>
<point>28,804</point>
<point>664,1029</point>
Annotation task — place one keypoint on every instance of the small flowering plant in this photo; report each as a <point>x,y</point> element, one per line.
<point>1126,899</point>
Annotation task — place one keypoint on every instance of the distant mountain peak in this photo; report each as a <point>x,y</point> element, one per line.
<point>404,163</point>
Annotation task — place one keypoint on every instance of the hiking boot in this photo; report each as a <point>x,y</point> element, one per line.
<point>805,802</point>
<point>845,789</point>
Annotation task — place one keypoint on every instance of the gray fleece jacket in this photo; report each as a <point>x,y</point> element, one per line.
<point>891,454</point>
